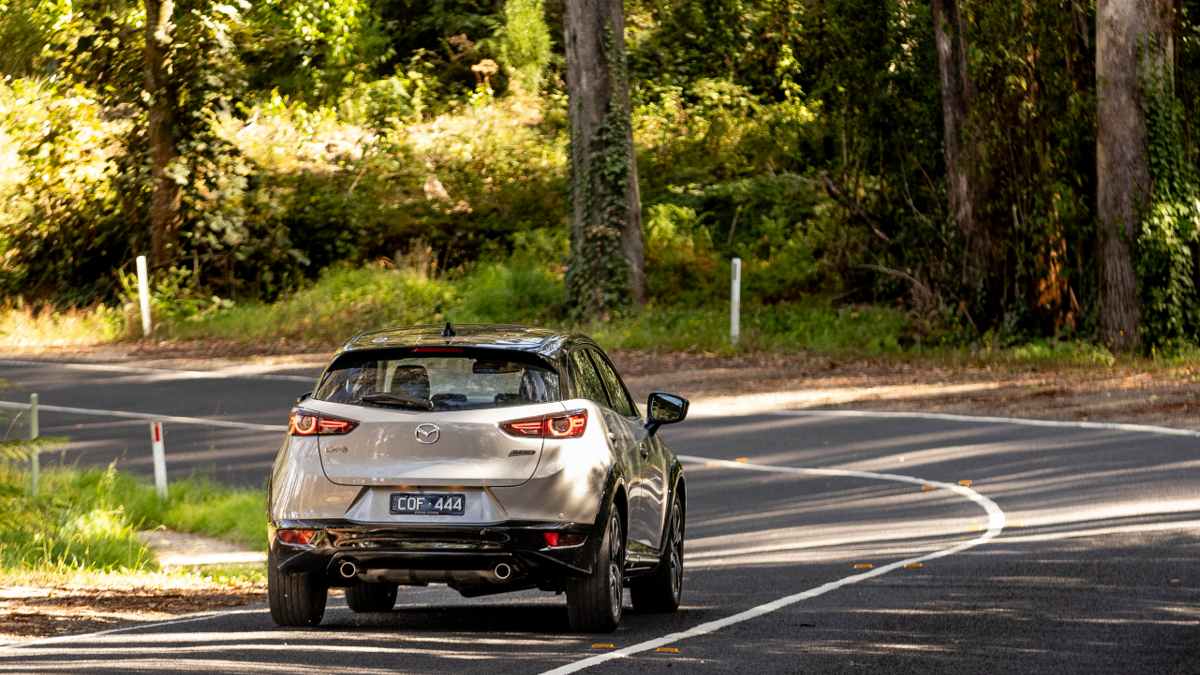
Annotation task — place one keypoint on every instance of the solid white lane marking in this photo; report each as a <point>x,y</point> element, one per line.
<point>995,525</point>
<point>1019,421</point>
<point>252,372</point>
<point>175,419</point>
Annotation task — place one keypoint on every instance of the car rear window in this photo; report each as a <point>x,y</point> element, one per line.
<point>456,380</point>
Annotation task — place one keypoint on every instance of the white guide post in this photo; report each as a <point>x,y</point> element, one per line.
<point>735,302</point>
<point>144,294</point>
<point>35,468</point>
<point>160,459</point>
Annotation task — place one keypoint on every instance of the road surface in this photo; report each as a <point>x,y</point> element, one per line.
<point>817,542</point>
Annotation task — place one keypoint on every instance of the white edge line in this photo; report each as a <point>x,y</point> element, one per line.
<point>1022,421</point>
<point>176,419</point>
<point>996,522</point>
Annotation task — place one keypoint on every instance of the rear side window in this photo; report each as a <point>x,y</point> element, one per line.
<point>451,381</point>
<point>612,382</point>
<point>587,381</point>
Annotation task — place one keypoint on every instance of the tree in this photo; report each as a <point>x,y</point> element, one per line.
<point>606,266</point>
<point>962,159</point>
<point>166,195</point>
<point>1132,38</point>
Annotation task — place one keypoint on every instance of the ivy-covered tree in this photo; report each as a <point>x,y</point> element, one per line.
<point>606,265</point>
<point>1133,39</point>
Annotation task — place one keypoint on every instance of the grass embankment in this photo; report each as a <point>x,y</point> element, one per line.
<point>344,301</point>
<point>87,519</point>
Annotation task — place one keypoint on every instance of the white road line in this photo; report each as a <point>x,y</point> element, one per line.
<point>1020,421</point>
<point>175,419</point>
<point>996,523</point>
<point>252,372</point>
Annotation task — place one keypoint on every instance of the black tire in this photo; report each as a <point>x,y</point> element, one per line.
<point>364,597</point>
<point>661,591</point>
<point>296,599</point>
<point>594,602</point>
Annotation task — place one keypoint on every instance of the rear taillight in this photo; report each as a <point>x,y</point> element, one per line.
<point>296,537</point>
<point>304,423</point>
<point>558,425</point>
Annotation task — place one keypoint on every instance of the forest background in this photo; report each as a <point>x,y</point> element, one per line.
<point>895,174</point>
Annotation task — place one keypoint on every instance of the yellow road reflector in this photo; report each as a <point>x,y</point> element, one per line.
<point>927,488</point>
<point>667,650</point>
<point>603,645</point>
<point>965,483</point>
<point>914,566</point>
<point>863,566</point>
<point>742,460</point>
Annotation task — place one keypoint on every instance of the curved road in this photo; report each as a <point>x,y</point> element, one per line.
<point>817,542</point>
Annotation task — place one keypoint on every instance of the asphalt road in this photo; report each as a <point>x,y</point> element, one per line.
<point>1096,569</point>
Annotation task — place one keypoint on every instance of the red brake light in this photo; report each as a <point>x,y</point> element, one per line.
<point>562,539</point>
<point>558,425</point>
<point>303,423</point>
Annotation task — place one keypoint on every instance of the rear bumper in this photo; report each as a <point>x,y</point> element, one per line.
<point>418,552</point>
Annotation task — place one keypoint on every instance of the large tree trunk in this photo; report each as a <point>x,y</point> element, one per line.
<point>166,196</point>
<point>961,152</point>
<point>606,267</point>
<point>1133,37</point>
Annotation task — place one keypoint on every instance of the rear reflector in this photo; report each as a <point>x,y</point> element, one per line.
<point>557,425</point>
<point>299,537</point>
<point>562,539</point>
<point>304,423</point>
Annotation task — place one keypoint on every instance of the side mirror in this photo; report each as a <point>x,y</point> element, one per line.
<point>303,397</point>
<point>663,408</point>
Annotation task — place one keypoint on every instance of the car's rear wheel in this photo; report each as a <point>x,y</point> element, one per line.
<point>365,597</point>
<point>296,598</point>
<point>594,602</point>
<point>662,590</point>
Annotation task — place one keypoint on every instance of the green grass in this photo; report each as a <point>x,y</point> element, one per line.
<point>88,518</point>
<point>528,289</point>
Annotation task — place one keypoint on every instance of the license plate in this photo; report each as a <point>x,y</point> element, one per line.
<point>428,504</point>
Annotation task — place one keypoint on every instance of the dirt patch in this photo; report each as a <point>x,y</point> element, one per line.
<point>45,609</point>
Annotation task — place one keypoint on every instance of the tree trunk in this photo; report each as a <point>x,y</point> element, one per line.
<point>606,266</point>
<point>961,155</point>
<point>1132,37</point>
<point>166,196</point>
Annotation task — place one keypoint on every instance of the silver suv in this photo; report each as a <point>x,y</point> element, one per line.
<point>487,458</point>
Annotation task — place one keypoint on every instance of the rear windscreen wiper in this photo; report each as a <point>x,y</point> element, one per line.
<point>384,398</point>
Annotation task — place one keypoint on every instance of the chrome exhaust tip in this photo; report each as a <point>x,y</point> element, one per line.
<point>348,570</point>
<point>503,572</point>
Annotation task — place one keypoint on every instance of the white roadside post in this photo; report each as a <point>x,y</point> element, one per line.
<point>735,302</point>
<point>160,459</point>
<point>144,294</point>
<point>35,468</point>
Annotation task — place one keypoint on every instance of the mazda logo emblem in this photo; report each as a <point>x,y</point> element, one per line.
<point>428,433</point>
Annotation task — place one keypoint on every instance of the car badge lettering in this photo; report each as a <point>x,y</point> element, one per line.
<point>428,433</point>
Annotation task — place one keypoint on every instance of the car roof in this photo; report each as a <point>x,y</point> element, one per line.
<point>547,343</point>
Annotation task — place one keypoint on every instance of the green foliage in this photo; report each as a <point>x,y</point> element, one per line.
<point>1168,237</point>
<point>524,42</point>
<point>61,231</point>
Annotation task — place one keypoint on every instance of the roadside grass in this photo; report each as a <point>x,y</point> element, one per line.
<point>22,325</point>
<point>87,519</point>
<point>527,289</point>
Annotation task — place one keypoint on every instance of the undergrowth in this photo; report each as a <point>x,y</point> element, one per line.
<point>87,519</point>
